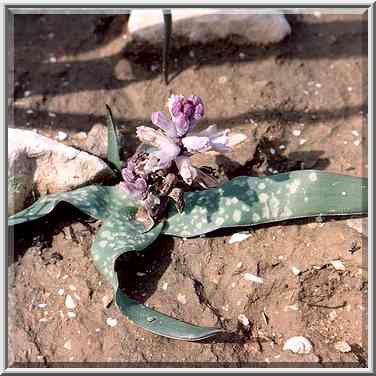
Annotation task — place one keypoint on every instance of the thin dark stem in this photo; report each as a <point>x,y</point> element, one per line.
<point>166,42</point>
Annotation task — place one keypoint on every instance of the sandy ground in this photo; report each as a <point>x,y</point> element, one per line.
<point>305,98</point>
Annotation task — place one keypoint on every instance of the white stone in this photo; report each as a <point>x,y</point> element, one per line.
<point>295,270</point>
<point>239,237</point>
<point>342,346</point>
<point>47,166</point>
<point>253,278</point>
<point>181,298</point>
<point>71,315</point>
<point>297,132</point>
<point>338,265</point>
<point>68,345</point>
<point>70,304</point>
<point>243,319</point>
<point>298,345</point>
<point>198,25</point>
<point>111,322</point>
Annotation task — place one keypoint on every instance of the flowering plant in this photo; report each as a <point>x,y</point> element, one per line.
<point>165,171</point>
<point>161,170</point>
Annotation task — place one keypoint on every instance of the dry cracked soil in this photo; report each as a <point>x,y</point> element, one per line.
<point>302,103</point>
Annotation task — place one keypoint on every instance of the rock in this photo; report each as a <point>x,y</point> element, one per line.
<point>42,165</point>
<point>96,142</point>
<point>204,25</point>
<point>342,346</point>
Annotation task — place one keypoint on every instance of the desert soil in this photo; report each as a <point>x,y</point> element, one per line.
<point>303,104</point>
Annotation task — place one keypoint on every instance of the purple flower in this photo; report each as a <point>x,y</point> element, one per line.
<point>185,112</point>
<point>166,149</point>
<point>159,119</point>
<point>135,186</point>
<point>207,140</point>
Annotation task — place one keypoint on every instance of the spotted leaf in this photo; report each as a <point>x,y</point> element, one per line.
<point>246,201</point>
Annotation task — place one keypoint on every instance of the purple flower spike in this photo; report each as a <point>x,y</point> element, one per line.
<point>185,112</point>
<point>136,187</point>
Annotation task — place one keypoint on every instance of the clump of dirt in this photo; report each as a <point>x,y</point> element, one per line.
<point>302,104</point>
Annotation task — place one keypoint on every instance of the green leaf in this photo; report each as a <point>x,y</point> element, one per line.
<point>97,201</point>
<point>113,150</point>
<point>246,201</point>
<point>113,239</point>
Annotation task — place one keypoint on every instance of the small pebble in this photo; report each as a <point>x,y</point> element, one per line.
<point>181,299</point>
<point>165,285</point>
<point>242,55</point>
<point>73,288</point>
<point>295,270</point>
<point>302,141</point>
<point>342,346</point>
<point>272,151</point>
<point>293,307</point>
<point>27,93</point>
<point>355,133</point>
<point>60,292</point>
<point>111,322</point>
<point>43,319</point>
<point>139,274</point>
<point>253,278</point>
<point>333,315</point>
<point>191,54</point>
<point>244,321</point>
<point>153,67</point>
<point>70,304</point>
<point>239,237</point>
<point>52,59</point>
<point>318,85</point>
<point>343,193</point>
<point>51,114</point>
<point>65,276</point>
<point>61,136</point>
<point>51,35</point>
<point>350,89</point>
<point>297,132</point>
<point>338,265</point>
<point>233,284</point>
<point>71,315</point>
<point>222,79</point>
<point>150,319</point>
<point>42,305</point>
<point>357,142</point>
<point>68,345</point>
<point>29,111</point>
